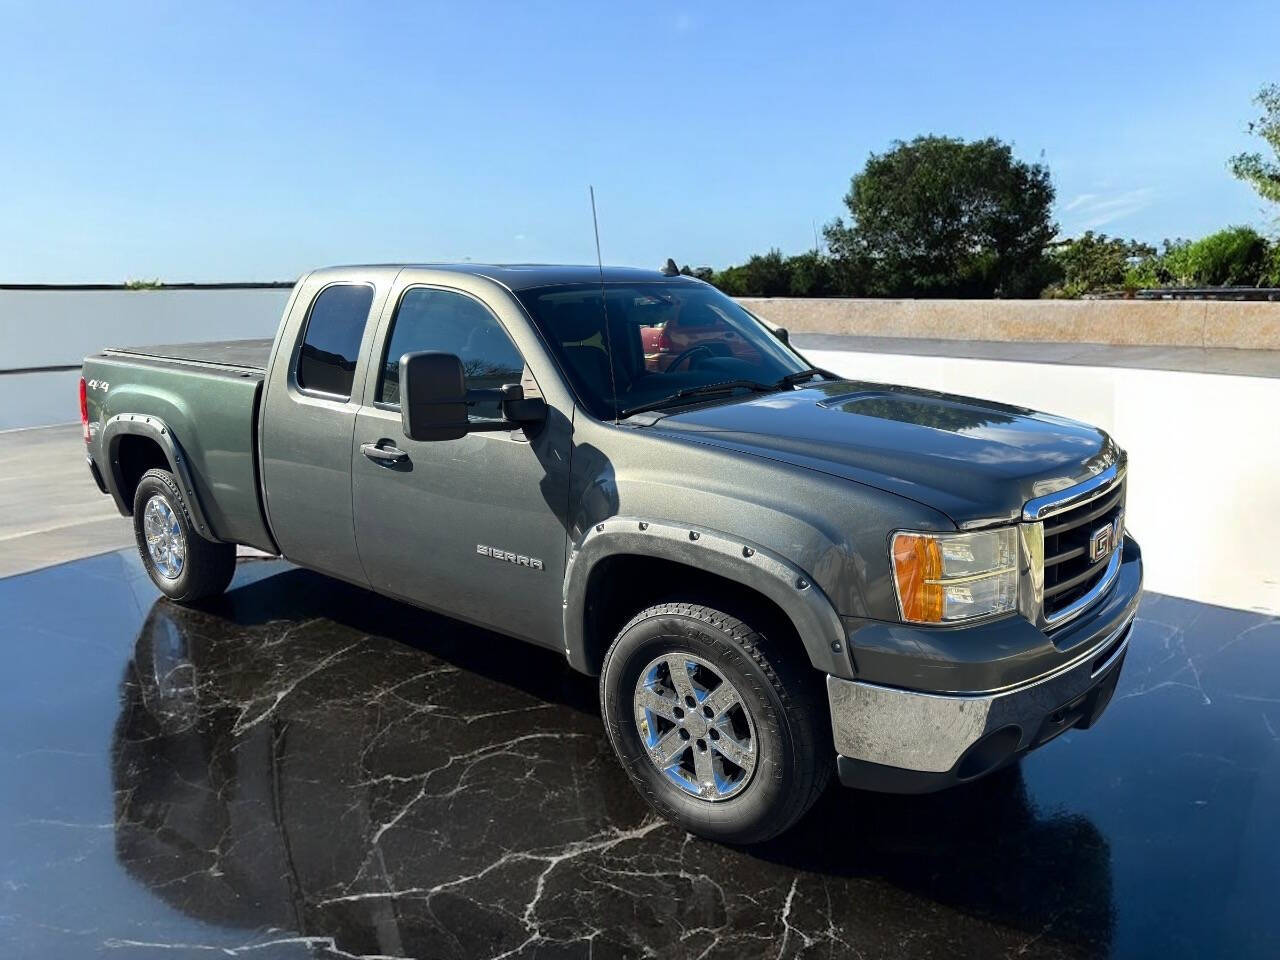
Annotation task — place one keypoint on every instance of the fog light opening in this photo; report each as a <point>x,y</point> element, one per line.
<point>989,752</point>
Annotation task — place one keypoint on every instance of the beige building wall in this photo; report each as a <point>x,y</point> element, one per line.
<point>1179,323</point>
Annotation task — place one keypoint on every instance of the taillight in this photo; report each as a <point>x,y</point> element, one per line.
<point>664,342</point>
<point>84,409</point>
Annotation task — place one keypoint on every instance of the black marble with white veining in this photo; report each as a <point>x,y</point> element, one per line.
<point>302,769</point>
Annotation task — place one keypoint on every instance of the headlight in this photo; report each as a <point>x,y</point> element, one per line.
<point>946,577</point>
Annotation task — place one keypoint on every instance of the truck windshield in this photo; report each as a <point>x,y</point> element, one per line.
<point>662,340</point>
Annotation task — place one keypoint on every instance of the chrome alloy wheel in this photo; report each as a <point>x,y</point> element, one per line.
<point>695,726</point>
<point>165,542</point>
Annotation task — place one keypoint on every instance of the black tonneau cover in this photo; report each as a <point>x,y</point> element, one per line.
<point>246,354</point>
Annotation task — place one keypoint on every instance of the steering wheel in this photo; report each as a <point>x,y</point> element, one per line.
<point>687,355</point>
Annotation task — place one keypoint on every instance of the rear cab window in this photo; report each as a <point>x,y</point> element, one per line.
<point>331,340</point>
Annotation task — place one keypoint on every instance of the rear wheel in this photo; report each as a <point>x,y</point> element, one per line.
<point>183,564</point>
<point>721,727</point>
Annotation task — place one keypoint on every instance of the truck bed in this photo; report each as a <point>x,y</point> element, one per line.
<point>242,354</point>
<point>207,395</point>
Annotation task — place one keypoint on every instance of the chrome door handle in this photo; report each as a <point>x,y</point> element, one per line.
<point>383,454</point>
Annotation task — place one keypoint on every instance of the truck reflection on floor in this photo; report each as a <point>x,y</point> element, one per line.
<point>408,785</point>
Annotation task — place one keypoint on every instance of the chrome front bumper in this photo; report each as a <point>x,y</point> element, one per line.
<point>949,738</point>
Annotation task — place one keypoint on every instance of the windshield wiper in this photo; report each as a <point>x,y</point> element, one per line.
<point>791,379</point>
<point>722,386</point>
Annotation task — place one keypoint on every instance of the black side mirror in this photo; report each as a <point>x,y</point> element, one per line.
<point>519,409</point>
<point>782,334</point>
<point>433,396</point>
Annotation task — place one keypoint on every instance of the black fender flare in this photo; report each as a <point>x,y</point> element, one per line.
<point>153,428</point>
<point>792,589</point>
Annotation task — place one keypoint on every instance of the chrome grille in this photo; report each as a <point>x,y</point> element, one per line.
<point>1071,570</point>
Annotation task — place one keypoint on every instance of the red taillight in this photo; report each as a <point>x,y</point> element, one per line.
<point>664,342</point>
<point>84,409</point>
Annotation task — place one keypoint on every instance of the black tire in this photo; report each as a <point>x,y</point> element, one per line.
<point>776,685</point>
<point>207,567</point>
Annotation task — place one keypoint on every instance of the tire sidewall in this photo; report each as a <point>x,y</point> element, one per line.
<point>152,484</point>
<point>744,817</point>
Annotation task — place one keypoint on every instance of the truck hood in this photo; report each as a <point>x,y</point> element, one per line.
<point>973,460</point>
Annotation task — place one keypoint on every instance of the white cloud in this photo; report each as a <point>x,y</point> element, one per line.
<point>1093,210</point>
<point>1080,200</point>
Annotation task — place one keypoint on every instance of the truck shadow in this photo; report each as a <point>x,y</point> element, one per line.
<point>302,755</point>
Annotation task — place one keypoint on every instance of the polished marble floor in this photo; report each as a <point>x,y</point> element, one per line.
<point>304,770</point>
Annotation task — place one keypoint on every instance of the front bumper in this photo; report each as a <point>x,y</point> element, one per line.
<point>916,741</point>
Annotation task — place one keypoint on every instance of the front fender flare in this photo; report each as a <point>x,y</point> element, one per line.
<point>153,428</point>
<point>737,559</point>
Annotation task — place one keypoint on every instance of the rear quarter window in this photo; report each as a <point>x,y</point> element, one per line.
<point>331,342</point>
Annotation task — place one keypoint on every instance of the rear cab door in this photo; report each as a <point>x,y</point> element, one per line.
<point>474,527</point>
<point>314,385</point>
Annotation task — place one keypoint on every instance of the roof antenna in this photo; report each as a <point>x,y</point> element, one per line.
<point>604,306</point>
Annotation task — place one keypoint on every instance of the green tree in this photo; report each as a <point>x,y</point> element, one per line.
<point>767,275</point>
<point>1236,256</point>
<point>1153,270</point>
<point>1094,263</point>
<point>940,216</point>
<point>1261,173</point>
<point>702,273</point>
<point>1271,275</point>
<point>812,275</point>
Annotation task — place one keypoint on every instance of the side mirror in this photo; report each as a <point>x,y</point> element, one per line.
<point>433,396</point>
<point>519,409</point>
<point>782,334</point>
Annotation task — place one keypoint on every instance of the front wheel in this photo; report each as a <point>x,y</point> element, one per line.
<point>184,565</point>
<point>720,725</point>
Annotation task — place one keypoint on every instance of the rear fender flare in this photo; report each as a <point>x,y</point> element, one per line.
<point>153,428</point>
<point>794,591</point>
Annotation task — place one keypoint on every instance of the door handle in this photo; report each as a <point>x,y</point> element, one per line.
<point>383,454</point>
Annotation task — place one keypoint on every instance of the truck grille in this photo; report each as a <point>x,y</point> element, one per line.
<point>1069,572</point>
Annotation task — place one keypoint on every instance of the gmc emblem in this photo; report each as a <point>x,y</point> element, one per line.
<point>1104,540</point>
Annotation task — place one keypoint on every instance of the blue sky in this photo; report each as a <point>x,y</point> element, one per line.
<point>242,142</point>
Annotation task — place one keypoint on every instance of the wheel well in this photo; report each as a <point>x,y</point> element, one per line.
<point>621,586</point>
<point>136,455</point>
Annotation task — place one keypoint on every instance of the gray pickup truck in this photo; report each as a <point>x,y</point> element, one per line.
<point>774,571</point>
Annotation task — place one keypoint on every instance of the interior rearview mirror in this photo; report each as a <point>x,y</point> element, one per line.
<point>433,396</point>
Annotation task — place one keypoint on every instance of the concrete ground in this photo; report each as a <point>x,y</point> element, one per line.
<point>50,510</point>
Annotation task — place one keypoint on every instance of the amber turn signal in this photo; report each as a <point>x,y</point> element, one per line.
<point>917,567</point>
<point>950,577</point>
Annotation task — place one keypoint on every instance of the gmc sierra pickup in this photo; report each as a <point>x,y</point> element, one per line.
<point>764,563</point>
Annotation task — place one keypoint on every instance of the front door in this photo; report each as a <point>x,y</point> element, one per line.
<point>471,527</point>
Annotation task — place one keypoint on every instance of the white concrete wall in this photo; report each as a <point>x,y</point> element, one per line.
<point>39,399</point>
<point>43,328</point>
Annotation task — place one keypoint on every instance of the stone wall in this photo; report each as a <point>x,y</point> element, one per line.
<point>1179,323</point>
